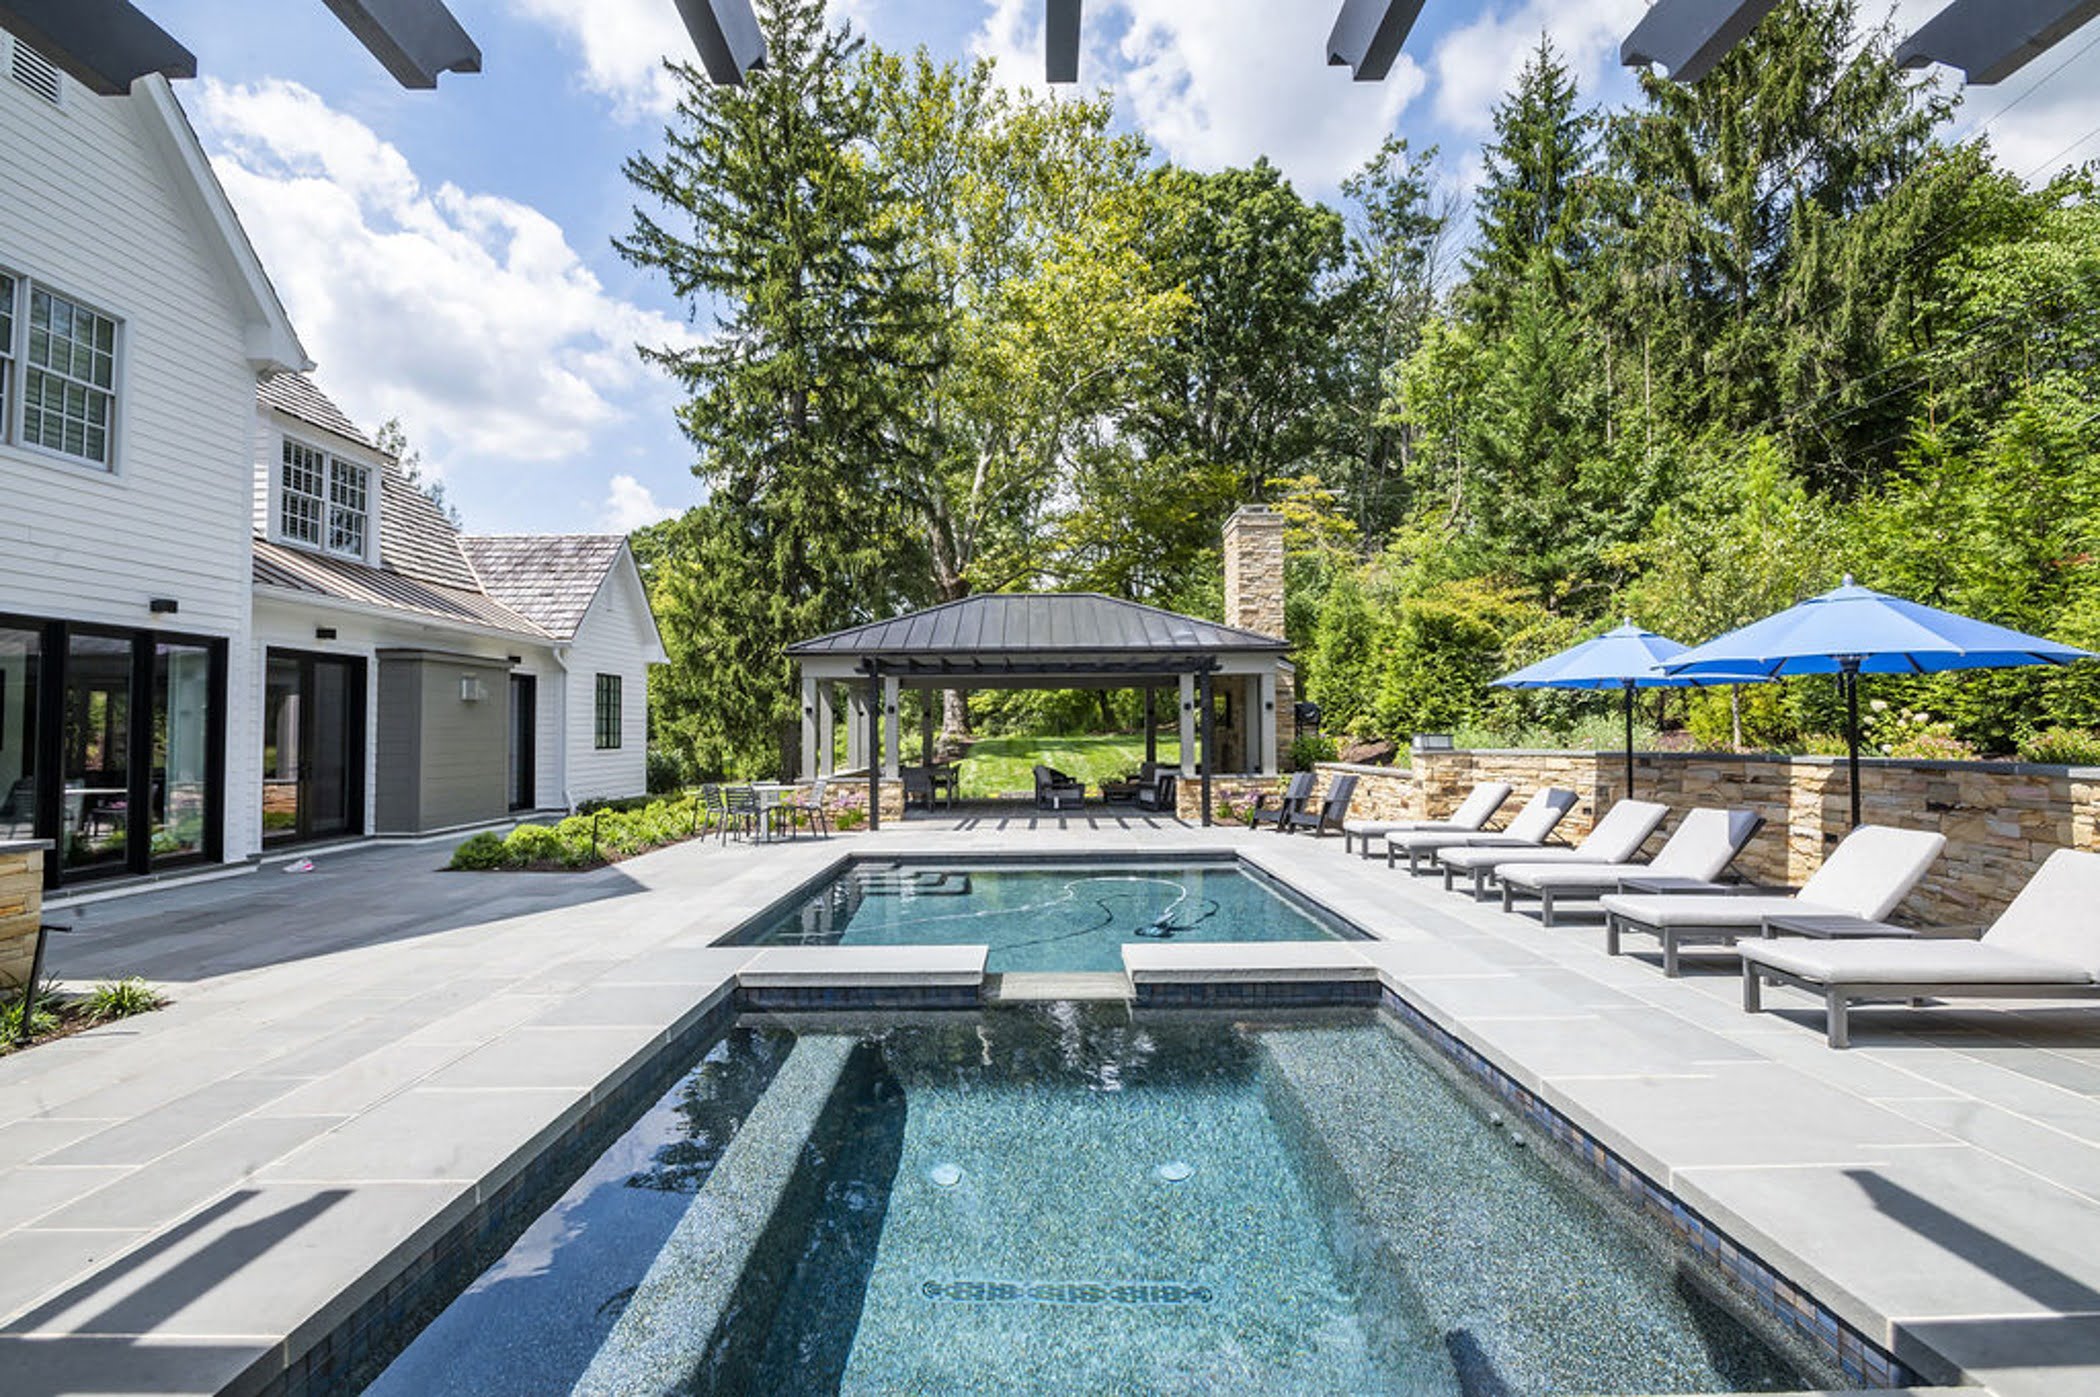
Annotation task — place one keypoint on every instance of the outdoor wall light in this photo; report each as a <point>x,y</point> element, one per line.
<point>515,659</point>
<point>164,606</point>
<point>324,632</point>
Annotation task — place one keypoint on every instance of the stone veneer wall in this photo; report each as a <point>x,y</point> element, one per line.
<point>1254,565</point>
<point>2001,819</point>
<point>21,907</point>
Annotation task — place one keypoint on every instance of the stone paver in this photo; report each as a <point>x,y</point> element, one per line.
<point>355,1054</point>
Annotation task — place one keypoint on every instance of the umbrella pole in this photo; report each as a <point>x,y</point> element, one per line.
<point>1626,692</point>
<point>1851,678</point>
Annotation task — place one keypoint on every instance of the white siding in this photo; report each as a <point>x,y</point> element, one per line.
<point>615,637</point>
<point>90,208</point>
<point>287,624</point>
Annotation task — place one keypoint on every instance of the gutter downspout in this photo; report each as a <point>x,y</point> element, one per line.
<point>561,657</point>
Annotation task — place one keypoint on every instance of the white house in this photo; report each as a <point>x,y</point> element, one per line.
<point>412,678</point>
<point>226,619</point>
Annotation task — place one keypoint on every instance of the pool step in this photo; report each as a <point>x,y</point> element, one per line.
<point>1024,988</point>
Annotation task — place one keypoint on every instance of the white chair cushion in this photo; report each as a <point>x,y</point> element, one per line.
<point>1371,829</point>
<point>1477,808</point>
<point>1896,961</point>
<point>1542,876</point>
<point>1623,830</point>
<point>1424,841</point>
<point>1873,869</point>
<point>1712,910</point>
<point>1489,856</point>
<point>1540,814</point>
<point>1703,844</point>
<point>2057,915</point>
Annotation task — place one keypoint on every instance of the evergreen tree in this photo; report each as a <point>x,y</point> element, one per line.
<point>1532,204</point>
<point>798,402</point>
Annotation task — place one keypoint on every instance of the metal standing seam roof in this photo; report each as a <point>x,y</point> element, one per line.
<point>341,579</point>
<point>549,578</point>
<point>1041,623</point>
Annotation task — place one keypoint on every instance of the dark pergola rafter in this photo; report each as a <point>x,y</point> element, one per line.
<point>727,35</point>
<point>1990,40</point>
<point>414,40</point>
<point>1688,37</point>
<point>104,45</point>
<point>1367,36</point>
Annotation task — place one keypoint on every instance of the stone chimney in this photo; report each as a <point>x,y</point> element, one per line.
<point>1254,570</point>
<point>1254,602</point>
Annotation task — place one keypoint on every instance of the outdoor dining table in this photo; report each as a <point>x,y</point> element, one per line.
<point>771,795</point>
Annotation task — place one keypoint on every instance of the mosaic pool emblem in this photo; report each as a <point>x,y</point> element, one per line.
<point>1175,1171</point>
<point>1131,1293</point>
<point>945,1175</point>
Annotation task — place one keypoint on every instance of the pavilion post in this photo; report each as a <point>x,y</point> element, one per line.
<point>808,768</point>
<point>1151,724</point>
<point>1208,733</point>
<point>926,727</point>
<point>1187,730</point>
<point>874,705</point>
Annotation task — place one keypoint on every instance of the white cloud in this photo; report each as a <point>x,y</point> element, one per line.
<point>623,44</point>
<point>1477,64</point>
<point>629,505</point>
<point>468,314</point>
<point>1221,83</point>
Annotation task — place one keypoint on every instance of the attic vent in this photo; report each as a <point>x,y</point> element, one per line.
<point>34,71</point>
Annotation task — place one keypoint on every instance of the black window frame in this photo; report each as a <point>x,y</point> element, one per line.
<point>605,713</point>
<point>139,860</point>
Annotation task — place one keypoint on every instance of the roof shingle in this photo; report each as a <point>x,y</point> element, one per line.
<point>1040,623</point>
<point>549,578</point>
<point>296,396</point>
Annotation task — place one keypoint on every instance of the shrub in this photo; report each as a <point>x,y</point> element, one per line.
<point>665,772</point>
<point>2063,747</point>
<point>1311,747</point>
<point>43,1016</point>
<point>482,851</point>
<point>120,999</point>
<point>530,844</point>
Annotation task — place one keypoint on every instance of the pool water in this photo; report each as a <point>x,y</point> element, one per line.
<point>1073,1199</point>
<point>1073,918</point>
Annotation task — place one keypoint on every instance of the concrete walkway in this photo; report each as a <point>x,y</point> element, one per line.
<point>356,1055</point>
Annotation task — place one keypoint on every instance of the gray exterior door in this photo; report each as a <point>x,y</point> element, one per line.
<point>524,723</point>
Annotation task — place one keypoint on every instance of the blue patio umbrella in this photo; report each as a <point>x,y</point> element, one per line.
<point>1626,658</point>
<point>1855,630</point>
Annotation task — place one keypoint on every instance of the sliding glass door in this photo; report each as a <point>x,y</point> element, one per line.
<point>313,746</point>
<point>112,745</point>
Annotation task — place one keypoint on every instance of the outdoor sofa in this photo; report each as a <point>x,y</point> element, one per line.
<point>1872,870</point>
<point>2045,945</point>
<point>1473,813</point>
<point>1532,827</point>
<point>1702,846</point>
<point>1157,791</point>
<point>1615,838</point>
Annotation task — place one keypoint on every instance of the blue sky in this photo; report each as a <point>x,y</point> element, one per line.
<point>447,256</point>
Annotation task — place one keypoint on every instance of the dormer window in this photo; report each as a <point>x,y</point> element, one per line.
<point>324,501</point>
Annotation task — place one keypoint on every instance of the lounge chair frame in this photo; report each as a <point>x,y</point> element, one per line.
<point>1839,996</point>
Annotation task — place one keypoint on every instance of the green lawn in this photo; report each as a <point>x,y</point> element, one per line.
<point>1002,765</point>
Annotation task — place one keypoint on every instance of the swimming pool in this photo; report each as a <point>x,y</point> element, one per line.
<point>1067,1199</point>
<point>1036,918</point>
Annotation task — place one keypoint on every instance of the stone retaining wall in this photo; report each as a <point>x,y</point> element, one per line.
<point>21,907</point>
<point>2001,819</point>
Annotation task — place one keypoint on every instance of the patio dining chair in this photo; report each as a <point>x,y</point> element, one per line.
<point>811,805</point>
<point>741,811</point>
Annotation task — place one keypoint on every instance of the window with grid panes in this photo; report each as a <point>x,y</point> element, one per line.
<point>608,711</point>
<point>7,354</point>
<point>300,507</point>
<point>349,493</point>
<point>69,378</point>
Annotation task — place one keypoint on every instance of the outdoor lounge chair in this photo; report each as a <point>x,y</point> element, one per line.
<point>1615,838</point>
<point>2045,945</point>
<point>1270,809</point>
<point>1704,843</point>
<point>1334,809</point>
<point>1056,791</point>
<point>1472,814</point>
<point>1865,876</point>
<point>918,787</point>
<point>1531,828</point>
<point>1158,792</point>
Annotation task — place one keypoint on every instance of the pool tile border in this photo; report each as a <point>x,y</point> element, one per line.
<point>1864,1362</point>
<point>352,1353</point>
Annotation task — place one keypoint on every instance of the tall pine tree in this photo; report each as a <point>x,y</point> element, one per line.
<point>798,402</point>
<point>1532,204</point>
